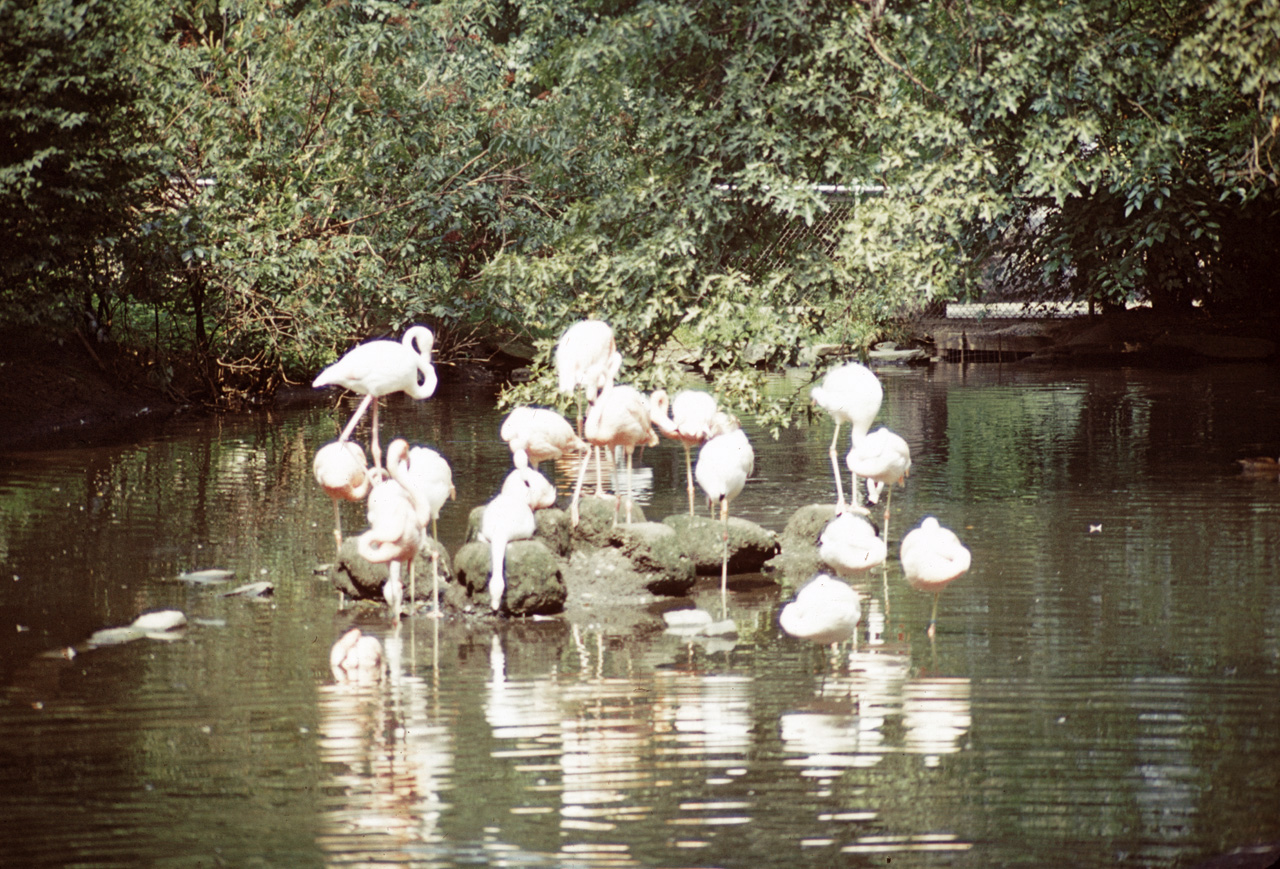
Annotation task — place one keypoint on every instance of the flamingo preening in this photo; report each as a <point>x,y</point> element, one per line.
<point>932,558</point>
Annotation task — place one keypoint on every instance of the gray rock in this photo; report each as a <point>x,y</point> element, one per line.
<point>535,584</point>
<point>702,539</point>
<point>362,580</point>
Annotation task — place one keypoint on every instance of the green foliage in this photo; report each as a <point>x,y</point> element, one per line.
<point>328,172</point>
<point>72,167</point>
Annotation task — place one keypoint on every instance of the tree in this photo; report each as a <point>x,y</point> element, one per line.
<point>72,165</point>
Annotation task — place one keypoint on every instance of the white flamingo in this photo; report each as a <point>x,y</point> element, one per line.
<point>540,434</point>
<point>509,517</point>
<point>687,419</point>
<point>394,535</point>
<point>724,464</point>
<point>427,477</point>
<point>884,458</point>
<point>356,657</point>
<point>379,368</point>
<point>341,470</point>
<point>826,611</point>
<point>852,394</point>
<point>849,545</point>
<point>619,418</point>
<point>932,558</point>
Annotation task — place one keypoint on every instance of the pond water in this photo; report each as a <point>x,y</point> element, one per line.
<point>1103,689</point>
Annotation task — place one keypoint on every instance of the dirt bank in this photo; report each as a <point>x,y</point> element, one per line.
<point>55,394</point>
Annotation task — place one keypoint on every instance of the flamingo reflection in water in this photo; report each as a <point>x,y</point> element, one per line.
<point>389,759</point>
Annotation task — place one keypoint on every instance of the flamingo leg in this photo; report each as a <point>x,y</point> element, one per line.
<point>835,470</point>
<point>629,492</point>
<point>933,617</point>
<point>724,563</point>
<point>577,489</point>
<point>355,418</point>
<point>688,472</point>
<point>337,526</point>
<point>377,450</point>
<point>435,571</point>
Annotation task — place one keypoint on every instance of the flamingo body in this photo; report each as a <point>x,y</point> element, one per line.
<point>619,418</point>
<point>851,394</point>
<point>341,470</point>
<point>933,557</point>
<point>394,535</point>
<point>428,479</point>
<point>849,545</point>
<point>824,611</point>
<point>688,420</point>
<point>379,368</point>
<point>587,357</point>
<point>541,434</point>
<point>507,517</point>
<point>724,464</point>
<point>883,457</point>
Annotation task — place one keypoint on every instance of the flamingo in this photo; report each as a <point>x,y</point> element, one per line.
<point>825,611</point>
<point>356,657</point>
<point>380,368</point>
<point>619,418</point>
<point>541,434</point>
<point>852,394</point>
<point>884,459</point>
<point>341,470</point>
<point>849,545</point>
<point>394,535</point>
<point>587,357</point>
<point>427,477</point>
<point>689,421</point>
<point>539,491</point>
<point>724,463</point>
<point>509,517</point>
<point>932,557</point>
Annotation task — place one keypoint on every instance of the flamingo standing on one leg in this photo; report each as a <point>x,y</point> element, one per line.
<point>394,535</point>
<point>427,477</point>
<point>587,357</point>
<point>341,470</point>
<point>619,418</point>
<point>852,394</point>
<point>932,557</point>
<point>689,422</point>
<point>724,464</point>
<point>380,368</point>
<point>884,458</point>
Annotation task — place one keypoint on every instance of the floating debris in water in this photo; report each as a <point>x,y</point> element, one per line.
<point>262,588</point>
<point>207,577</point>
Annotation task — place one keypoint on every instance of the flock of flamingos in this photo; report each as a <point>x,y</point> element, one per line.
<point>404,495</point>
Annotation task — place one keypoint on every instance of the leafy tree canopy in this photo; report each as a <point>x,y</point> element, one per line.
<point>740,178</point>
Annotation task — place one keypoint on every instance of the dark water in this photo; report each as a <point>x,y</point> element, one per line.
<point>1094,696</point>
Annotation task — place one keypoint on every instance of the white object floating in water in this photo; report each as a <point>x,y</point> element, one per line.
<point>159,621</point>
<point>686,618</point>
<point>211,575</point>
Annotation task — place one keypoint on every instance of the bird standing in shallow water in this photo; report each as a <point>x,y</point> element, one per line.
<point>379,368</point>
<point>341,470</point>
<point>724,464</point>
<point>428,479</point>
<point>852,394</point>
<point>619,418</point>
<point>884,459</point>
<point>825,611</point>
<point>849,545</point>
<point>932,557</point>
<point>689,421</point>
